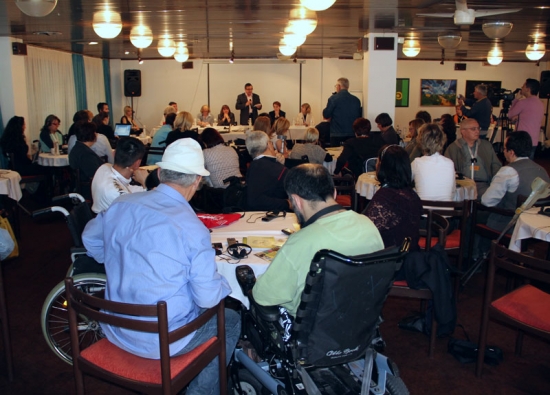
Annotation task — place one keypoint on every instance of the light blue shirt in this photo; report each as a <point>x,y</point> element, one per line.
<point>159,137</point>
<point>155,248</point>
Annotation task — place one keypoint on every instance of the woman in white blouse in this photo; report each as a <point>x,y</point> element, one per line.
<point>304,117</point>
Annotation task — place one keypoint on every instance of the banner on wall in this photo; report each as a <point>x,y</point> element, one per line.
<point>402,92</point>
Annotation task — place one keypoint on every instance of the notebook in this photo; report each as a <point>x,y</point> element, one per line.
<point>122,129</point>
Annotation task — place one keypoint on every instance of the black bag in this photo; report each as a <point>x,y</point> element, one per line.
<point>234,196</point>
<point>466,351</point>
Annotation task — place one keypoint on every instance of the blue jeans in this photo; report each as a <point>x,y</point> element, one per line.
<point>207,381</point>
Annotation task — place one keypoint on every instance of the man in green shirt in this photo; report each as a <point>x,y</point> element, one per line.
<point>325,224</point>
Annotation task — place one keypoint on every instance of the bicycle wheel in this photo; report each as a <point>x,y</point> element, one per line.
<point>54,318</point>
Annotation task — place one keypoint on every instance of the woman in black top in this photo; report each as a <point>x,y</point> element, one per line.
<point>226,117</point>
<point>13,141</point>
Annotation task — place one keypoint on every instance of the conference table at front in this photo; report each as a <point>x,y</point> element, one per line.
<point>248,226</point>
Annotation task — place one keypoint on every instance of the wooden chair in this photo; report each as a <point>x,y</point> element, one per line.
<point>436,228</point>
<point>110,363</point>
<point>5,327</point>
<point>345,191</point>
<point>525,308</point>
<point>151,151</point>
<point>24,179</point>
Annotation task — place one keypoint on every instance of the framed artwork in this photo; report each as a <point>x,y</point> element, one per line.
<point>492,86</point>
<point>437,92</point>
<point>402,92</point>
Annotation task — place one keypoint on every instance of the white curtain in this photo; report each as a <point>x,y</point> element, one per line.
<point>50,89</point>
<point>95,85</point>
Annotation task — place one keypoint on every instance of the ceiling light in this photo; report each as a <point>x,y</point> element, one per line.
<point>93,43</point>
<point>285,49</point>
<point>36,8</point>
<point>182,53</point>
<point>535,51</point>
<point>303,20</point>
<point>107,24</point>
<point>294,40</point>
<point>317,5</point>
<point>496,30</point>
<point>449,40</point>
<point>494,56</point>
<point>141,36</point>
<point>166,47</point>
<point>411,48</point>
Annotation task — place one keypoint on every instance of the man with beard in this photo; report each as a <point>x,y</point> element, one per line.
<point>325,224</point>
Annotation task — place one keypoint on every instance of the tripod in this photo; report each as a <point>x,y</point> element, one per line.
<point>505,126</point>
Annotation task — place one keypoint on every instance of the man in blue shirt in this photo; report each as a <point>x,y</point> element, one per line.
<point>155,248</point>
<point>343,109</point>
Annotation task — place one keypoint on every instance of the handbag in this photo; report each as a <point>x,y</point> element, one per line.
<point>5,224</point>
<point>466,351</point>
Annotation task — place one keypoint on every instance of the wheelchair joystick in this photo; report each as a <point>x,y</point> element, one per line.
<point>246,278</point>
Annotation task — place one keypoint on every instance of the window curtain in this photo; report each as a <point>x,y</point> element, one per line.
<point>49,91</point>
<point>107,81</point>
<point>95,86</point>
<point>80,82</point>
<point>2,158</point>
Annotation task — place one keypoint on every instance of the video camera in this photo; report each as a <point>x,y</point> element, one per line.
<point>505,95</point>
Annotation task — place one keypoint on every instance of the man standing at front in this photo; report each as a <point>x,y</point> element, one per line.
<point>528,111</point>
<point>155,248</point>
<point>481,110</point>
<point>473,157</point>
<point>325,224</point>
<point>249,104</point>
<point>343,109</point>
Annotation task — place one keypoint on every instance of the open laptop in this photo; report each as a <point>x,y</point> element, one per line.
<point>122,129</point>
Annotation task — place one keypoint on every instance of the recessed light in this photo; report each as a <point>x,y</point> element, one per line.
<point>126,53</point>
<point>92,43</point>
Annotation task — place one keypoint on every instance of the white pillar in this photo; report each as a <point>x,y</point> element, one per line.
<point>379,78</point>
<point>13,93</point>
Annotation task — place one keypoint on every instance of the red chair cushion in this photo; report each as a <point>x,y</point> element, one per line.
<point>453,239</point>
<point>400,283</point>
<point>343,200</point>
<point>107,356</point>
<point>528,305</point>
<point>422,242</point>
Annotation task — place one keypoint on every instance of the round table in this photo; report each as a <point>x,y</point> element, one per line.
<point>9,184</point>
<point>51,160</point>
<point>367,184</point>
<point>530,224</point>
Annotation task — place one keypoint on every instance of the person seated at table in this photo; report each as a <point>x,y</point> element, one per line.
<point>473,157</point>
<point>128,118</point>
<point>101,121</point>
<point>155,248</point>
<point>311,148</point>
<point>204,118</point>
<point>424,115</point>
<point>413,148</point>
<point>14,141</point>
<point>304,117</point>
<point>112,181</point>
<point>50,134</point>
<point>79,116</point>
<point>159,139</point>
<point>324,225</point>
<point>432,173</point>
<point>263,123</point>
<point>265,176</point>
<point>363,146</point>
<point>276,113</point>
<point>226,117</point>
<point>395,209</point>
<point>449,128</point>
<point>384,123</point>
<point>459,116</point>
<point>279,134</point>
<point>82,157</point>
<point>512,180</point>
<point>182,129</point>
<point>324,132</point>
<point>220,160</point>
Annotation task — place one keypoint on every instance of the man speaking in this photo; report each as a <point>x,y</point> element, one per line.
<point>249,104</point>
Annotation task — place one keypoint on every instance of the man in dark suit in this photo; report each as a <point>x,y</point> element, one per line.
<point>249,104</point>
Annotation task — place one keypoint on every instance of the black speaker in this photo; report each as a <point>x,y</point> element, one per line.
<point>544,91</point>
<point>132,83</point>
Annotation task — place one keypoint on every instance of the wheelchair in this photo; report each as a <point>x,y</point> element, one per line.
<point>88,276</point>
<point>330,348</point>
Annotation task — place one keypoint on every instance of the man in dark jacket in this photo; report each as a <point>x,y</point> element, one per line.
<point>343,109</point>
<point>249,104</point>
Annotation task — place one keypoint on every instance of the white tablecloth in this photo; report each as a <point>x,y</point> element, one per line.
<point>49,159</point>
<point>530,225</point>
<point>250,225</point>
<point>9,184</point>
<point>367,185</point>
<point>335,153</point>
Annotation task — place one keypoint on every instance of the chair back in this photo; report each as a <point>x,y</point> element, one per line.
<point>11,160</point>
<point>345,191</point>
<point>370,164</point>
<point>437,227</point>
<point>341,302</point>
<point>159,151</point>
<point>290,163</point>
<point>521,265</point>
<point>79,216</point>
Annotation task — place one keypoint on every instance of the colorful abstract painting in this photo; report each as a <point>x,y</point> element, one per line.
<point>437,92</point>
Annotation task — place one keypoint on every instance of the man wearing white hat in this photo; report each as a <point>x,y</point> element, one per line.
<point>155,248</point>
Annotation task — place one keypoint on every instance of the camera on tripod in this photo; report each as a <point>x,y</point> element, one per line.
<point>505,95</point>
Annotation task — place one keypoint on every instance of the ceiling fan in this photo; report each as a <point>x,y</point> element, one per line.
<point>466,16</point>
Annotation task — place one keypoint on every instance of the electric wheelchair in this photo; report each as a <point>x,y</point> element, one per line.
<point>329,350</point>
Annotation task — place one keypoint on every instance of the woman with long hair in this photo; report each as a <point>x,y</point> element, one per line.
<point>226,117</point>
<point>304,117</point>
<point>49,134</point>
<point>413,148</point>
<point>449,128</point>
<point>127,118</point>
<point>13,141</point>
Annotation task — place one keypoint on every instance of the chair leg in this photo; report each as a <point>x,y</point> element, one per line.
<point>5,328</point>
<point>433,336</point>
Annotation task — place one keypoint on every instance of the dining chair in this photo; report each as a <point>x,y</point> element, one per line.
<point>524,308</point>
<point>345,191</point>
<point>5,327</point>
<point>151,151</point>
<point>24,179</point>
<point>167,375</point>
<point>436,229</point>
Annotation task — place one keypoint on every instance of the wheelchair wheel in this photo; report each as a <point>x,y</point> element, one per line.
<point>54,318</point>
<point>249,384</point>
<point>396,386</point>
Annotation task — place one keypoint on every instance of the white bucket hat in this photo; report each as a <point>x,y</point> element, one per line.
<point>184,156</point>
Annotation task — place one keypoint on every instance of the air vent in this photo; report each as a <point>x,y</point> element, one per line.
<point>461,54</point>
<point>46,33</point>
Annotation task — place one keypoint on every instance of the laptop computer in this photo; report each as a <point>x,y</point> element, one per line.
<point>122,129</point>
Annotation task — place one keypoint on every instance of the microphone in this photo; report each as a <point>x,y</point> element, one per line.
<point>516,91</point>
